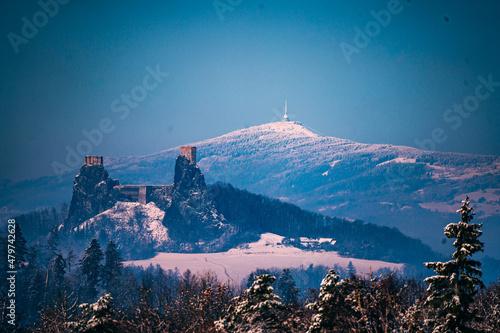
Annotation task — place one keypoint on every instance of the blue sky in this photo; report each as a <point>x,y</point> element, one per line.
<point>233,67</point>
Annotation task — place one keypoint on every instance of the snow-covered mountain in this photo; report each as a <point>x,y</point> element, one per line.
<point>414,190</point>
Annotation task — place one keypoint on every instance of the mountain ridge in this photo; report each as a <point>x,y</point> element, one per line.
<point>340,177</point>
<point>390,185</point>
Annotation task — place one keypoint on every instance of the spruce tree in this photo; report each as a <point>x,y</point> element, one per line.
<point>351,270</point>
<point>452,290</point>
<point>59,267</point>
<point>287,288</point>
<point>113,267</point>
<point>92,267</point>
<point>258,310</point>
<point>52,246</point>
<point>96,318</point>
<point>33,282</point>
<point>324,317</point>
<point>21,249</point>
<point>70,259</point>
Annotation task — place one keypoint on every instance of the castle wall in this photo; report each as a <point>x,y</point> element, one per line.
<point>140,193</point>
<point>128,192</point>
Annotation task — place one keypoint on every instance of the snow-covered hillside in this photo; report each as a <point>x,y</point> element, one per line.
<point>389,185</point>
<point>129,224</point>
<point>274,158</point>
<point>414,190</point>
<point>268,252</point>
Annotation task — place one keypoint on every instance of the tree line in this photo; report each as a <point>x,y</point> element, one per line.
<point>59,292</point>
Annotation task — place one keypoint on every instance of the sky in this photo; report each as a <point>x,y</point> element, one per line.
<point>132,78</point>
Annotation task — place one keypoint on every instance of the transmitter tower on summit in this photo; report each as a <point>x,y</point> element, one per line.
<point>285,117</point>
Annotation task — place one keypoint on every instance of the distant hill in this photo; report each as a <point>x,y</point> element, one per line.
<point>249,212</point>
<point>414,190</point>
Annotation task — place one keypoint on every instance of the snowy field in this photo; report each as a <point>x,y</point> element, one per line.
<point>236,264</point>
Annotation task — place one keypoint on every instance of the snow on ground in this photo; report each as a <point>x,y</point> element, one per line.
<point>480,171</point>
<point>399,160</point>
<point>125,216</point>
<point>442,172</point>
<point>268,252</point>
<point>485,203</point>
<point>447,172</point>
<point>291,128</point>
<point>324,209</point>
<point>333,163</point>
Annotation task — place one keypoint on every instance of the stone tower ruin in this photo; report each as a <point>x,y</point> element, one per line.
<point>189,153</point>
<point>93,160</point>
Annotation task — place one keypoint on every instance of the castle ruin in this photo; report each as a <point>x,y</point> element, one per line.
<point>143,193</point>
<point>93,160</point>
<point>189,153</point>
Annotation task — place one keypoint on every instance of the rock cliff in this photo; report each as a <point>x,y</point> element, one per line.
<point>93,193</point>
<point>191,216</point>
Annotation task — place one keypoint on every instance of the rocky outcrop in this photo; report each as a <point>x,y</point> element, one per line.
<point>93,193</point>
<point>191,216</point>
<point>189,221</point>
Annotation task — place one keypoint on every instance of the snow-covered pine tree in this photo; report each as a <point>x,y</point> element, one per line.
<point>452,290</point>
<point>412,320</point>
<point>324,316</point>
<point>256,311</point>
<point>96,317</point>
